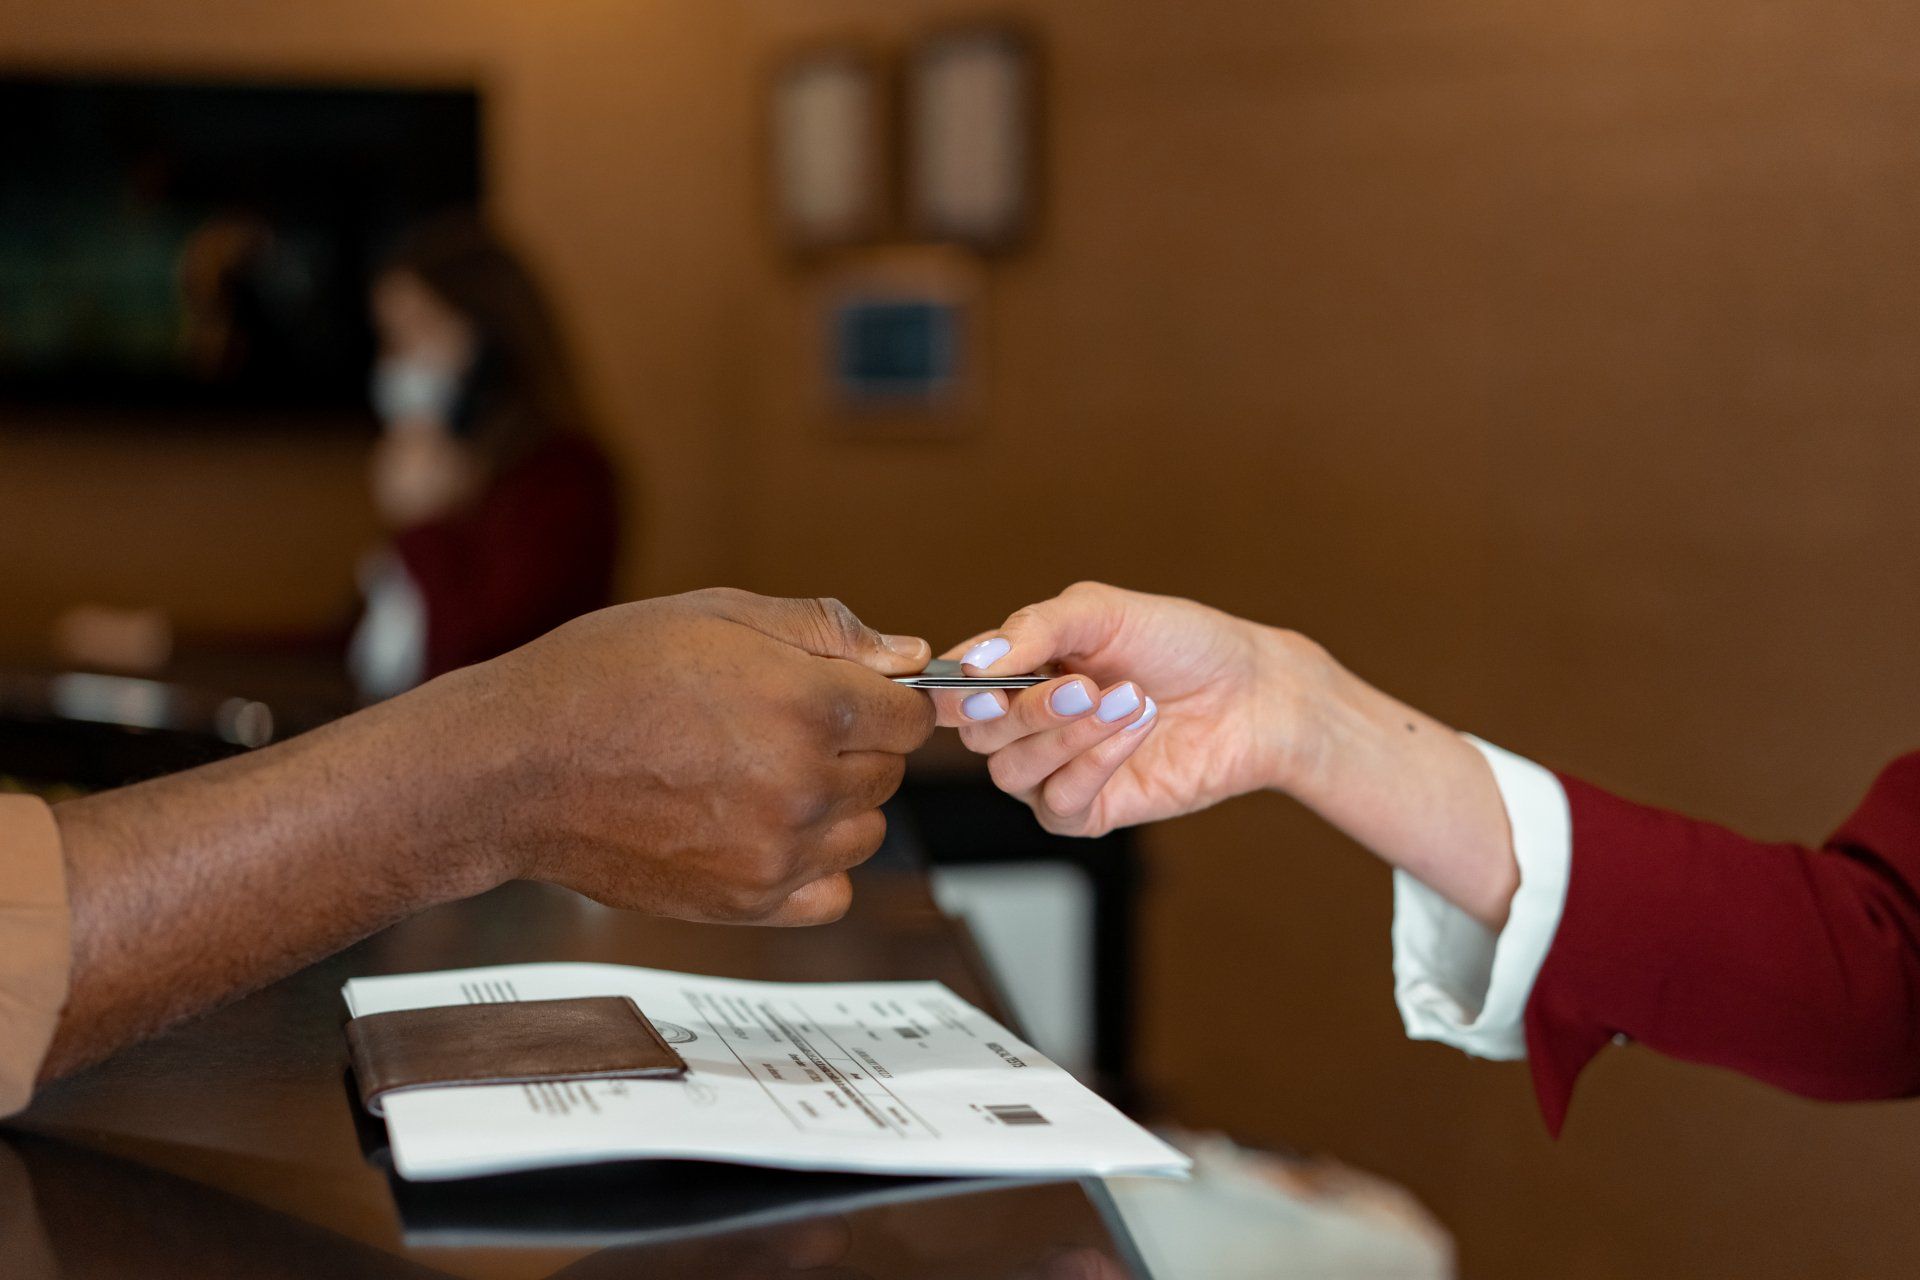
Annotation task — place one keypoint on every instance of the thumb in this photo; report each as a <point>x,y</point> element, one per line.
<point>828,628</point>
<point>1079,621</point>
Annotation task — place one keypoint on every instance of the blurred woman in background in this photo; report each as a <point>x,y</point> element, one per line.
<point>500,511</point>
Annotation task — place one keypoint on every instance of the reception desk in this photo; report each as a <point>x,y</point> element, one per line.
<point>234,1146</point>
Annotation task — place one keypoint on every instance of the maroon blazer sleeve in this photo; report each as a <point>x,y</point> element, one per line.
<point>1798,966</point>
<point>537,550</point>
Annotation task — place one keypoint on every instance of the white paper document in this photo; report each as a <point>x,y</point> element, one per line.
<point>868,1077</point>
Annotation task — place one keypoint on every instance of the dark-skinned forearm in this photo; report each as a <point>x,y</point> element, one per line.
<point>192,889</point>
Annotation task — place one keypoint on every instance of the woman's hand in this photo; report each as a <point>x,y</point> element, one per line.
<point>1170,707</point>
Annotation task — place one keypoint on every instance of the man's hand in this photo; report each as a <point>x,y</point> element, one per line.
<point>714,756</point>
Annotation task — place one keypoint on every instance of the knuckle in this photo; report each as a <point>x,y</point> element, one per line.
<point>828,899</point>
<point>720,599</point>
<point>1088,591</point>
<point>850,841</point>
<point>1059,804</point>
<point>741,902</point>
<point>1004,771</point>
<point>1065,824</point>
<point>1088,735</point>
<point>803,804</point>
<point>838,624</point>
<point>923,716</point>
<point>839,716</point>
<point>1023,618</point>
<point>755,900</point>
<point>767,865</point>
<point>879,781</point>
<point>869,833</point>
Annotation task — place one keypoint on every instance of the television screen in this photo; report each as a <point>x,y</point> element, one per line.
<point>207,247</point>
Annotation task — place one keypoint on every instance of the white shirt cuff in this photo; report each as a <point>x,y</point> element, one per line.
<point>1455,980</point>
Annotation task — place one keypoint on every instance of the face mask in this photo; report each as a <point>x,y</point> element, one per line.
<point>404,389</point>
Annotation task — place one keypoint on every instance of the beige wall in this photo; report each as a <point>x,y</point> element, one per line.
<point>1552,363</point>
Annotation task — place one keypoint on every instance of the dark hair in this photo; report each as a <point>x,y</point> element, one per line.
<point>523,387</point>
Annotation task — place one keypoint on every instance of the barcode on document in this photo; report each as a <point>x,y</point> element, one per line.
<point>1017,1113</point>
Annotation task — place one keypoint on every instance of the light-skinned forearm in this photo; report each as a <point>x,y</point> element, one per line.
<point>192,889</point>
<point>1394,779</point>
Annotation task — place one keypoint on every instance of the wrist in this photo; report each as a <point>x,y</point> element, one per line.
<point>1297,703</point>
<point>446,785</point>
<point>1397,781</point>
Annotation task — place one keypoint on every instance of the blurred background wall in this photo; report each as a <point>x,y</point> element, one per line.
<point>1554,365</point>
<point>615,135</point>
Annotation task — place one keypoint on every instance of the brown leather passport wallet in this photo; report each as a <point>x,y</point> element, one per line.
<point>518,1042</point>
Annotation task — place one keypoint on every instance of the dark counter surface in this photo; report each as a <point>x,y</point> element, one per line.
<point>232,1146</point>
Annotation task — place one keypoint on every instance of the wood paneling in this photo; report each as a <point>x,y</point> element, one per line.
<point>1552,363</point>
<point>1555,365</point>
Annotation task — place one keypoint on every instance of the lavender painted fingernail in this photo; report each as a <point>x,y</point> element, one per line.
<point>986,653</point>
<point>1071,699</point>
<point>1118,703</point>
<point>982,706</point>
<point>1153,709</point>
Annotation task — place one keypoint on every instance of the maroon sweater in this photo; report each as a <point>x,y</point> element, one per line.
<point>537,549</point>
<point>1798,966</point>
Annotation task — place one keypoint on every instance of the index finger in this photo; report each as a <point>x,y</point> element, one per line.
<point>823,627</point>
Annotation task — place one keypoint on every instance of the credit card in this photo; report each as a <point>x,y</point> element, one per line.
<point>945,673</point>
